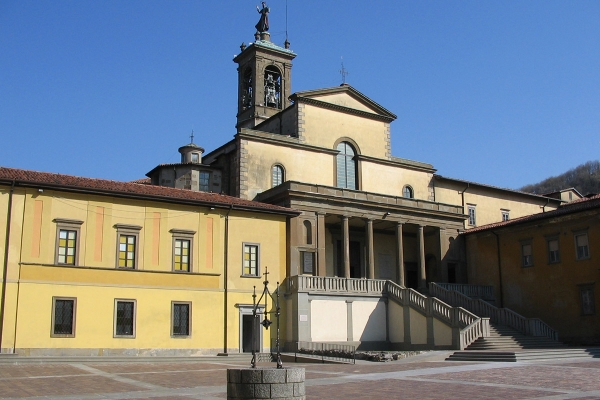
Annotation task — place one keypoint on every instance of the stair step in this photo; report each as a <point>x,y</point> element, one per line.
<point>524,355</point>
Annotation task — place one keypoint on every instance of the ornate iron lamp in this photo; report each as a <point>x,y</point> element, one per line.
<point>266,293</point>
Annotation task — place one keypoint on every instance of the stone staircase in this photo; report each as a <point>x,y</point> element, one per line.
<point>508,345</point>
<point>505,338</point>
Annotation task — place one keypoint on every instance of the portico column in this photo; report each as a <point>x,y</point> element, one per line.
<point>422,273</point>
<point>346,240</point>
<point>321,266</point>
<point>400,254</point>
<point>370,252</point>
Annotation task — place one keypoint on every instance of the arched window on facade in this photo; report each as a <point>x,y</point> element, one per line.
<point>346,166</point>
<point>407,192</point>
<point>272,81</point>
<point>308,231</point>
<point>277,177</point>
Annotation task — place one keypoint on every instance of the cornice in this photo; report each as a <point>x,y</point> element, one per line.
<point>335,107</point>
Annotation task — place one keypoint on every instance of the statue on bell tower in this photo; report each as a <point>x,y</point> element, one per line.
<point>263,22</point>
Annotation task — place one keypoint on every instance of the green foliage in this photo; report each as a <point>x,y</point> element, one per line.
<point>585,178</point>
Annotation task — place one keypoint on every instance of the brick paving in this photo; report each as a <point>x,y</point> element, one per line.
<point>420,377</point>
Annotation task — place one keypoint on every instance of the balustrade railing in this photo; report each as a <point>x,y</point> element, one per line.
<point>501,316</point>
<point>485,292</point>
<point>335,284</point>
<point>469,325</point>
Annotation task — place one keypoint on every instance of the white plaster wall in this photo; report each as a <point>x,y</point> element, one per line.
<point>368,321</point>
<point>328,321</point>
<point>418,328</point>
<point>396,321</point>
<point>442,333</point>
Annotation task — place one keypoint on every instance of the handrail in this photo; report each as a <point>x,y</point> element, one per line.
<point>501,316</point>
<point>470,326</point>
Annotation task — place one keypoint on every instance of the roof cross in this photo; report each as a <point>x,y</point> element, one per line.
<point>344,72</point>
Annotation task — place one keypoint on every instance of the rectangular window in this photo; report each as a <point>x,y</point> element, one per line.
<point>67,241</point>
<point>205,181</point>
<point>581,244</point>
<point>63,317</point>
<point>472,220</point>
<point>307,259</point>
<point>586,293</point>
<point>127,245</point>
<point>181,255</point>
<point>505,215</point>
<point>250,260</point>
<point>527,254</point>
<point>124,318</point>
<point>553,251</point>
<point>181,319</point>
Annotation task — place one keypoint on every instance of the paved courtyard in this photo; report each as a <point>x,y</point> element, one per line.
<point>422,377</point>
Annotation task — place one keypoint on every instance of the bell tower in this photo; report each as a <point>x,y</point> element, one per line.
<point>264,80</point>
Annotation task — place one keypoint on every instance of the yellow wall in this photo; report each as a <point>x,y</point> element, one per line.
<point>324,127</point>
<point>34,278</point>
<point>549,291</point>
<point>490,202</point>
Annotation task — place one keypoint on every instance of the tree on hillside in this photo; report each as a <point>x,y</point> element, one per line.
<point>585,178</point>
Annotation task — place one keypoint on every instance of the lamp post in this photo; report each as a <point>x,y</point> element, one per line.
<point>266,293</point>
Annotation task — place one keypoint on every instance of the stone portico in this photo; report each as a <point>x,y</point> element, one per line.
<point>356,234</point>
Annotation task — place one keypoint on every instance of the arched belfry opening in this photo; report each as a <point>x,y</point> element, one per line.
<point>264,80</point>
<point>247,89</point>
<point>272,80</point>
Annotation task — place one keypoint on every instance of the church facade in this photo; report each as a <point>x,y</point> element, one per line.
<point>364,213</point>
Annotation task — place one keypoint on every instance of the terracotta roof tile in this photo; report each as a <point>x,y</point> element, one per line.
<point>129,189</point>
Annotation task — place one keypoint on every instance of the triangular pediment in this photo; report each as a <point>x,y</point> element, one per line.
<point>344,96</point>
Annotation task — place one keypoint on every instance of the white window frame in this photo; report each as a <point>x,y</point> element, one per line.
<point>277,175</point>
<point>526,262</point>
<point>585,256</point>
<point>249,245</point>
<point>407,189</point>
<point>551,252</point>
<point>128,230</point>
<point>472,213</point>
<point>67,225</point>
<point>181,234</point>
<point>505,215</point>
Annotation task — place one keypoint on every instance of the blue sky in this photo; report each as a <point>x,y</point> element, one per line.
<point>505,93</point>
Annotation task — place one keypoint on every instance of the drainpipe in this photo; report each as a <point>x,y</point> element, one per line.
<point>225,277</point>
<point>545,205</point>
<point>463,202</point>
<point>499,270</point>
<point>5,267</point>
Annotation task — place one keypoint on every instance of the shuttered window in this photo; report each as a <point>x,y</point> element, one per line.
<point>346,166</point>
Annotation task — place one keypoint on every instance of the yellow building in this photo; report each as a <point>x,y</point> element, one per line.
<point>97,267</point>
<point>545,266</point>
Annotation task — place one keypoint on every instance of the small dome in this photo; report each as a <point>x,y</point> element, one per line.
<point>191,153</point>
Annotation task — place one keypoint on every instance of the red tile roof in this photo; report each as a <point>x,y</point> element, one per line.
<point>133,190</point>
<point>575,206</point>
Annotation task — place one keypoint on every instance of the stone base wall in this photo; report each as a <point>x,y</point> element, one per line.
<point>99,352</point>
<point>266,383</point>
